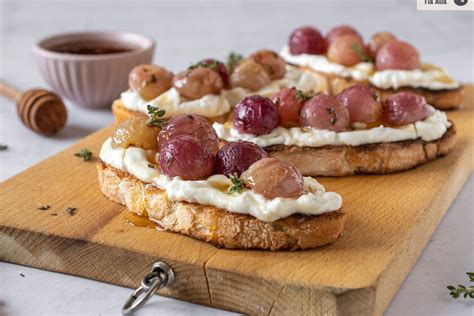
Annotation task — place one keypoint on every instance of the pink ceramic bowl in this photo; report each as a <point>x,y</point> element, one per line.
<point>91,68</point>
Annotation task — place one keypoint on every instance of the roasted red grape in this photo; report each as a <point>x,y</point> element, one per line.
<point>237,157</point>
<point>341,30</point>
<point>255,115</point>
<point>273,178</point>
<point>306,40</point>
<point>397,55</point>
<point>362,103</point>
<point>289,102</point>
<point>377,41</point>
<point>274,65</point>
<point>186,157</point>
<point>325,112</point>
<point>198,82</point>
<point>217,66</point>
<point>190,124</point>
<point>150,81</point>
<point>346,50</point>
<point>249,75</point>
<point>135,132</point>
<point>404,108</point>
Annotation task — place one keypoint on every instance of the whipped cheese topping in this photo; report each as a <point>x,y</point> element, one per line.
<point>429,77</point>
<point>213,105</point>
<point>432,79</point>
<point>433,127</point>
<point>213,191</point>
<point>361,71</point>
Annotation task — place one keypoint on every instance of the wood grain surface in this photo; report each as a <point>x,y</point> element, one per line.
<point>390,219</point>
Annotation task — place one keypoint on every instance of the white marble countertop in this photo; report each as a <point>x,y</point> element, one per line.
<point>185,32</point>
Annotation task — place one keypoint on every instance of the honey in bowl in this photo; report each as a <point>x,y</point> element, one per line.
<point>91,48</point>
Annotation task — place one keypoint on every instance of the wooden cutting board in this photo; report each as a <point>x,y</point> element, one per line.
<point>389,221</point>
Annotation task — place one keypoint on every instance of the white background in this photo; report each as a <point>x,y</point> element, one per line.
<point>187,31</point>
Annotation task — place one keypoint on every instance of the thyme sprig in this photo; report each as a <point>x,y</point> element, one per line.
<point>84,153</point>
<point>300,95</point>
<point>233,59</point>
<point>155,115</point>
<point>361,52</point>
<point>211,65</point>
<point>3,147</point>
<point>462,290</point>
<point>237,184</point>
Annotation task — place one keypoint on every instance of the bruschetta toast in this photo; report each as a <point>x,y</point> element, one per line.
<point>233,197</point>
<point>386,63</point>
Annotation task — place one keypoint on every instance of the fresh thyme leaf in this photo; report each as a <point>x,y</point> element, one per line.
<point>233,60</point>
<point>302,96</point>
<point>71,210</point>
<point>54,214</point>
<point>84,153</point>
<point>361,52</point>
<point>237,184</point>
<point>151,166</point>
<point>3,147</point>
<point>462,290</point>
<point>471,276</point>
<point>22,275</point>
<point>44,207</point>
<point>211,65</point>
<point>154,116</point>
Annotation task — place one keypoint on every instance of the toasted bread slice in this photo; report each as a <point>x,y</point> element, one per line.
<point>449,99</point>
<point>216,226</point>
<point>379,158</point>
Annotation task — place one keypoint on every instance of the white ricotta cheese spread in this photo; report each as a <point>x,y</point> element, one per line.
<point>429,77</point>
<point>431,128</point>
<point>213,105</point>
<point>210,192</point>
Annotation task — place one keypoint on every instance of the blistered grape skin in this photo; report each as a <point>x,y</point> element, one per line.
<point>362,103</point>
<point>255,115</point>
<point>404,108</point>
<point>274,178</point>
<point>135,132</point>
<point>306,40</point>
<point>236,157</point>
<point>341,30</point>
<point>197,82</point>
<point>397,55</point>
<point>289,106</point>
<point>250,75</point>
<point>342,51</point>
<point>325,112</point>
<point>377,41</point>
<point>150,80</point>
<point>274,65</point>
<point>218,67</point>
<point>190,124</point>
<point>186,157</point>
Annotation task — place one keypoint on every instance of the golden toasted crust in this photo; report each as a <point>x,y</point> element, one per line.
<point>219,227</point>
<point>379,158</point>
<point>441,99</point>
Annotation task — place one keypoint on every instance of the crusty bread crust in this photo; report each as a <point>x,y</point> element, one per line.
<point>379,158</point>
<point>216,226</point>
<point>449,99</point>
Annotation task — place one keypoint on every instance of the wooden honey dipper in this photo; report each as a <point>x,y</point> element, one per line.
<point>40,110</point>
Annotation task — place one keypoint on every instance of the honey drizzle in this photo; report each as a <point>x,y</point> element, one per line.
<point>141,221</point>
